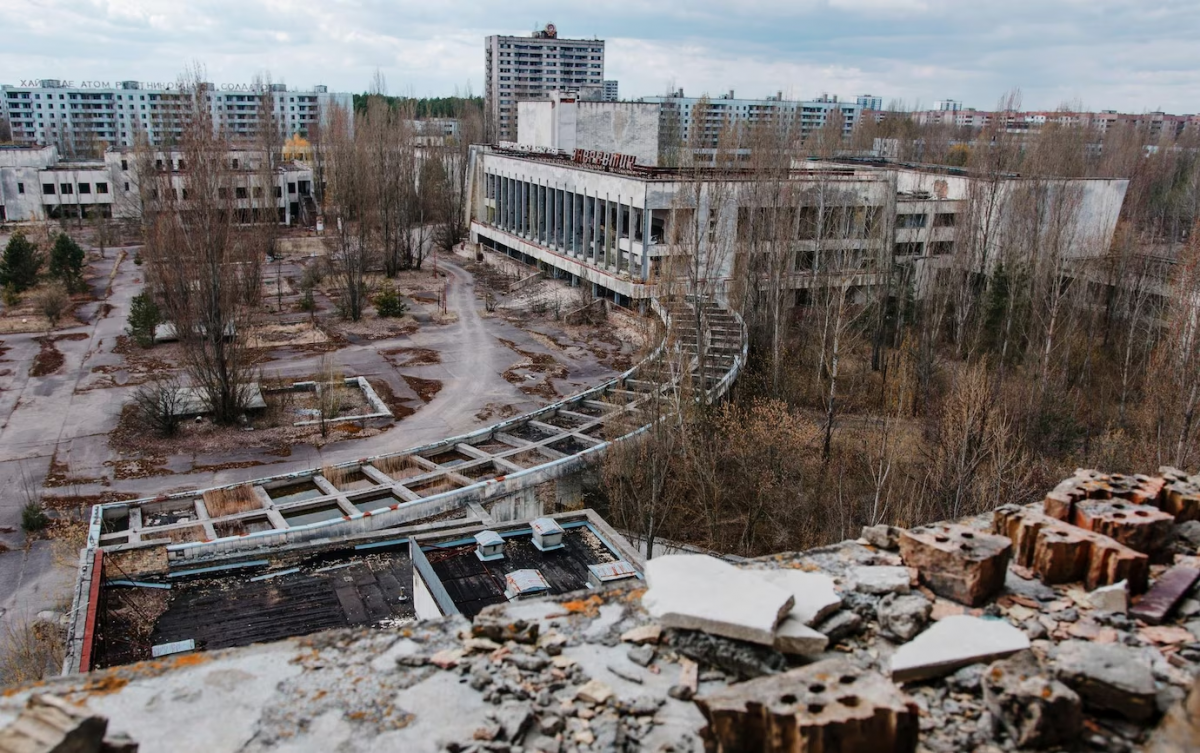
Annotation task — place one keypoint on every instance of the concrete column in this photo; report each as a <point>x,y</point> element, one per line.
<point>505,203</point>
<point>568,222</point>
<point>620,229</point>
<point>647,216</point>
<point>602,254</point>
<point>585,228</point>
<point>554,221</point>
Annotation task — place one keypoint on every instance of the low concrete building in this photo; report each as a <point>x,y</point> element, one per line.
<point>609,221</point>
<point>37,184</point>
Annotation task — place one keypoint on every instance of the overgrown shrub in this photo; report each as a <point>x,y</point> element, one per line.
<point>307,303</point>
<point>388,303</point>
<point>52,302</point>
<point>158,404</point>
<point>33,517</point>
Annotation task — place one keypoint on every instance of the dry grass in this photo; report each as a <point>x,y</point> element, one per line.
<point>30,650</point>
<point>222,502</point>
<point>437,486</point>
<point>399,466</point>
<point>339,477</point>
<point>186,535</point>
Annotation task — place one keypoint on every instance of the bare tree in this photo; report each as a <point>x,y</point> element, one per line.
<point>348,196</point>
<point>202,263</point>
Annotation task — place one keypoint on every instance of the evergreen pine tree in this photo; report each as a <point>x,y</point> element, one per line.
<point>144,316</point>
<point>20,264</point>
<point>66,262</point>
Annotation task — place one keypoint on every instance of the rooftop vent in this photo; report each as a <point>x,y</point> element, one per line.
<point>489,546</point>
<point>610,572</point>
<point>520,584</point>
<point>547,534</point>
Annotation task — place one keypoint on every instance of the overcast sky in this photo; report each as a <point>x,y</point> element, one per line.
<point>1131,55</point>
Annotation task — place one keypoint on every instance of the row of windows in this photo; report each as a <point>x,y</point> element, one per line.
<point>68,189</point>
<point>910,221</point>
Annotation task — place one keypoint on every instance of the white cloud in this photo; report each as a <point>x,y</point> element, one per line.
<point>1120,54</point>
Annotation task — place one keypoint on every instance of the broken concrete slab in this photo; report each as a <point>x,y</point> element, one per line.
<point>697,592</point>
<point>1189,531</point>
<point>641,655</point>
<point>1180,728</point>
<point>826,706</point>
<point>842,624</point>
<point>903,616</point>
<point>794,637</point>
<point>954,642</point>
<point>879,580</point>
<point>648,633</point>
<point>814,593</point>
<point>1114,598</point>
<point>882,536</point>
<point>594,692</point>
<point>1036,710</point>
<point>1168,590</point>
<point>1109,677</point>
<point>958,562</point>
<point>49,725</point>
<point>738,658</point>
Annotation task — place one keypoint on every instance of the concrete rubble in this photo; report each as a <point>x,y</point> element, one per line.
<point>947,653</point>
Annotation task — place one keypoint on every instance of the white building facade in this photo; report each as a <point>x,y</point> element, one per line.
<point>36,185</point>
<point>84,119</point>
<point>616,225</point>
<point>529,68</point>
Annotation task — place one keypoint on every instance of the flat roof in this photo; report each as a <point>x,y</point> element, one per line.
<point>473,584</point>
<point>249,604</point>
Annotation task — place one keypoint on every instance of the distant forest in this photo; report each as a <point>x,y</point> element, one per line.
<point>423,107</point>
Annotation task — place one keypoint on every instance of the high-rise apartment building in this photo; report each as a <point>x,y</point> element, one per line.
<point>79,118</point>
<point>699,121</point>
<point>525,68</point>
<point>611,90</point>
<point>870,102</point>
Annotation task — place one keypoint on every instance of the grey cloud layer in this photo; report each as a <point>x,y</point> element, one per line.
<point>1100,53</point>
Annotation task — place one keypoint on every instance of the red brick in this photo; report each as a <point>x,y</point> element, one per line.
<point>827,706</point>
<point>958,562</point>
<point>1061,553</point>
<point>1140,527</point>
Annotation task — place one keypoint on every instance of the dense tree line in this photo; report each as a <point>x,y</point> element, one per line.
<point>421,107</point>
<point>934,391</point>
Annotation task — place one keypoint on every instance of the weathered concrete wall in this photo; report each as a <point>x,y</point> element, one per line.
<point>521,505</point>
<point>622,127</point>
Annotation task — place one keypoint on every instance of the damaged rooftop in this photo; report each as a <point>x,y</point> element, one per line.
<point>1073,623</point>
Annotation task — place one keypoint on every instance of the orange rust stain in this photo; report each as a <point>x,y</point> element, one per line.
<point>102,686</point>
<point>191,660</point>
<point>589,606</point>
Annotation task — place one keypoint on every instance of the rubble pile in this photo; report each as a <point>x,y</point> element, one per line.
<point>1072,623</point>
